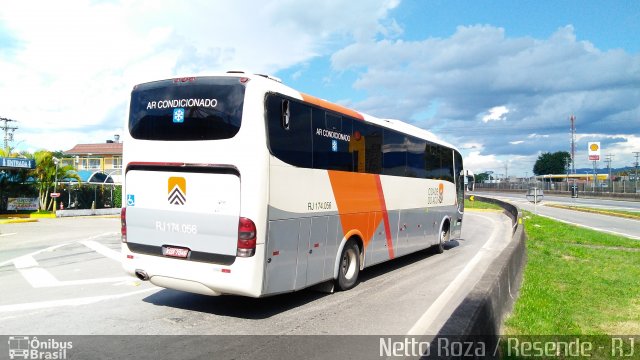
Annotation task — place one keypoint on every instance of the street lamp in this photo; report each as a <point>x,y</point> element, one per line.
<point>55,184</point>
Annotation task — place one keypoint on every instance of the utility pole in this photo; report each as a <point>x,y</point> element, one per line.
<point>8,136</point>
<point>636,153</point>
<point>608,160</point>
<point>573,144</point>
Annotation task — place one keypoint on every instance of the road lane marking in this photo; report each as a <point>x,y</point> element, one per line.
<point>50,248</point>
<point>24,262</point>
<point>38,277</point>
<point>444,300</point>
<point>592,227</point>
<point>102,250</point>
<point>68,302</point>
<point>8,234</point>
<point>577,224</point>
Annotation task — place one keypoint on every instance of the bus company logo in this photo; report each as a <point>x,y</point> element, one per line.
<point>177,189</point>
<point>435,195</point>
<point>25,347</point>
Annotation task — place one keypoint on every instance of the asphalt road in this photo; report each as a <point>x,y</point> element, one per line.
<point>62,276</point>
<point>605,223</point>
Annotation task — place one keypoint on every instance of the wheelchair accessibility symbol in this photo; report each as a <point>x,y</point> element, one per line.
<point>131,200</point>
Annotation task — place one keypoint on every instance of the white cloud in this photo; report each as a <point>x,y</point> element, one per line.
<point>72,64</point>
<point>537,136</point>
<point>496,113</point>
<point>481,67</point>
<point>478,163</point>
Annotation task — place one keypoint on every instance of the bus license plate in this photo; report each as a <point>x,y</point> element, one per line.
<point>176,252</point>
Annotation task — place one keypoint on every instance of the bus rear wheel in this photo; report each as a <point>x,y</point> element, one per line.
<point>443,237</point>
<point>349,266</point>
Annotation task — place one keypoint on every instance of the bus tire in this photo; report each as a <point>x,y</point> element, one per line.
<point>439,248</point>
<point>349,266</point>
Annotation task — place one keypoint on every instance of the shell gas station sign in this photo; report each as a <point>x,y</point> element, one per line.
<point>594,151</point>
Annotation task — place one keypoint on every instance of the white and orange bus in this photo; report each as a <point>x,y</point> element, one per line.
<point>238,184</point>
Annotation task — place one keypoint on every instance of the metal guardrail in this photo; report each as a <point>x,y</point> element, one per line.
<point>514,188</point>
<point>604,187</point>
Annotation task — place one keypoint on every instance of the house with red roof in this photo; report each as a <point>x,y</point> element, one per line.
<point>97,163</point>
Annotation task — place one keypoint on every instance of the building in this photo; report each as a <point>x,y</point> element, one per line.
<point>97,163</point>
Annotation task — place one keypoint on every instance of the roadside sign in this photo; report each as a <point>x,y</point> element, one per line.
<point>55,195</point>
<point>535,195</point>
<point>594,150</point>
<point>472,198</point>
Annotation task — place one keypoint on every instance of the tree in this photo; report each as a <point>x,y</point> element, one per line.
<point>45,175</point>
<point>551,163</point>
<point>480,178</point>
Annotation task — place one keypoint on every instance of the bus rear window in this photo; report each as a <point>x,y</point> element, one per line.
<point>202,109</point>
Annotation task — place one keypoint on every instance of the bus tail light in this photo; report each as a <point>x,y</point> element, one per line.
<point>123,224</point>
<point>246,238</point>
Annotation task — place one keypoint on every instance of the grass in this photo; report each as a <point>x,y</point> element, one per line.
<point>480,205</point>
<point>611,212</point>
<point>577,282</point>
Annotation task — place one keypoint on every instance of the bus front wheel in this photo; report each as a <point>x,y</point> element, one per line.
<point>349,266</point>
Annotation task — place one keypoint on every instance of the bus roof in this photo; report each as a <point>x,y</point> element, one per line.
<point>276,85</point>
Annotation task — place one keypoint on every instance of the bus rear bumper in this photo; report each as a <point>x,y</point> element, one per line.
<point>238,278</point>
<point>183,285</point>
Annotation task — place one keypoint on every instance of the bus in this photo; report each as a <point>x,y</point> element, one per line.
<point>238,184</point>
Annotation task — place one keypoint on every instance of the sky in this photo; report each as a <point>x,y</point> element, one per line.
<point>498,79</point>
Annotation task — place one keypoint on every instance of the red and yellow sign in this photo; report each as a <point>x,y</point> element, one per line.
<point>594,151</point>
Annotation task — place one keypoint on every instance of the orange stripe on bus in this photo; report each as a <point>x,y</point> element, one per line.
<point>385,216</point>
<point>331,106</point>
<point>357,197</point>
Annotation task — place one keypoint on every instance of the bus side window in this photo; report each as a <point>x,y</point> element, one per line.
<point>415,157</point>
<point>394,153</point>
<point>331,139</point>
<point>333,122</point>
<point>286,114</point>
<point>291,144</point>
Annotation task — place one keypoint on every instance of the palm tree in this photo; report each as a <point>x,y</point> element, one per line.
<point>45,176</point>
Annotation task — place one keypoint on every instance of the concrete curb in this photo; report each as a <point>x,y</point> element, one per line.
<point>87,212</point>
<point>16,221</point>
<point>480,315</point>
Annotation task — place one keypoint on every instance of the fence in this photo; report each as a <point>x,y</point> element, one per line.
<point>604,187</point>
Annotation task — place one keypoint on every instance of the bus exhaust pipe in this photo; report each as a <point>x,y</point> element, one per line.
<point>142,275</point>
